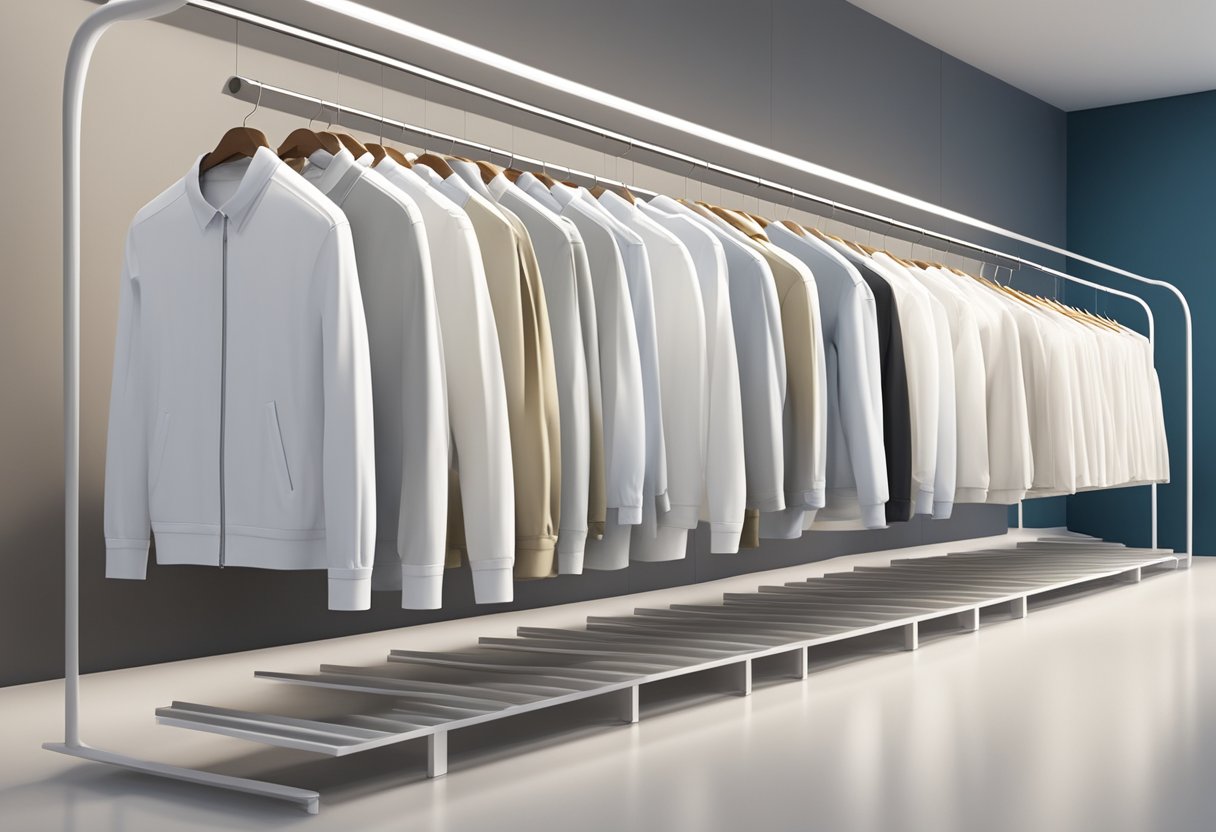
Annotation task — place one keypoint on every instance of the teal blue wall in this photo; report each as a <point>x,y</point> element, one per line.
<point>1142,195</point>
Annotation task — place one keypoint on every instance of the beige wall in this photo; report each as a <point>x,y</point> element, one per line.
<point>152,105</point>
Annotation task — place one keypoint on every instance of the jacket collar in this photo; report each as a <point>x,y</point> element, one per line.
<point>238,207</point>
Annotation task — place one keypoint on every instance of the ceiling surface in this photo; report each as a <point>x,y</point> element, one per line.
<point>1075,54</point>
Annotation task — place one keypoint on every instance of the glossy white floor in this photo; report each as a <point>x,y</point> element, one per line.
<point>1093,713</point>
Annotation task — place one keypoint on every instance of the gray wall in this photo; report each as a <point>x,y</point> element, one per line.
<point>820,79</point>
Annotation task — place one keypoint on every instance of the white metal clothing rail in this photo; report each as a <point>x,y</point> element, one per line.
<point>79,56</point>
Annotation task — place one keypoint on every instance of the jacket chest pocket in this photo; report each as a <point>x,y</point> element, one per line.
<point>275,446</point>
<point>157,458</point>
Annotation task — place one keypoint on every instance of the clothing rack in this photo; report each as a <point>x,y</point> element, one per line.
<point>79,56</point>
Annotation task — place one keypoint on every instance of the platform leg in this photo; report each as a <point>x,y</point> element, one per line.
<point>741,677</point>
<point>912,636</point>
<point>628,703</point>
<point>1132,576</point>
<point>437,754</point>
<point>798,663</point>
<point>1017,607</point>
<point>969,620</point>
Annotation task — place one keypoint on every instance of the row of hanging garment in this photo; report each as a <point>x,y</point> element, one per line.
<point>337,357</point>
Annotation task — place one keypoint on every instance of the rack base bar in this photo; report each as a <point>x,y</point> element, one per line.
<point>432,694</point>
<point>307,799</point>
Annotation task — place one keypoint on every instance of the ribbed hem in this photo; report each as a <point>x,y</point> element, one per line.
<point>662,503</point>
<point>971,495</point>
<point>680,517</point>
<point>811,498</point>
<point>595,530</point>
<point>669,543</point>
<point>749,538</point>
<point>629,515</point>
<point>127,559</point>
<point>942,509</point>
<point>924,502</point>
<point>899,511</point>
<point>492,584</point>
<point>570,563</point>
<point>571,541</point>
<point>774,502</point>
<point>421,592</point>
<point>350,589</point>
<point>534,557</point>
<point>1005,496</point>
<point>875,516</point>
<point>724,538</point>
<point>782,525</point>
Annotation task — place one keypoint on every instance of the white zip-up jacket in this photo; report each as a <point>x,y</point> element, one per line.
<point>477,398</point>
<point>724,492</point>
<point>241,427</point>
<point>683,383</point>
<point>410,409</point>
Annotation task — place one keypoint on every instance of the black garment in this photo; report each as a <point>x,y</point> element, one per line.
<point>896,419</point>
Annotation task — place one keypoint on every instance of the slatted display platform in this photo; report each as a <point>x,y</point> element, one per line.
<point>430,694</point>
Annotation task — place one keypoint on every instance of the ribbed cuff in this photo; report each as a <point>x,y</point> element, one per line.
<point>942,509</point>
<point>724,538</point>
<point>628,515</point>
<point>970,495</point>
<point>1005,496</point>
<point>775,502</point>
<point>875,516</point>
<point>421,592</point>
<point>127,559</point>
<point>662,503</point>
<point>570,563</point>
<point>924,502</point>
<point>492,584</point>
<point>680,517</point>
<point>811,498</point>
<point>571,541</point>
<point>350,589</point>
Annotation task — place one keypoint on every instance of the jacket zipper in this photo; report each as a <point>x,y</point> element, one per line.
<point>223,384</point>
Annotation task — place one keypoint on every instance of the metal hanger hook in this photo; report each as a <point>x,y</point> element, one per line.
<point>256,104</point>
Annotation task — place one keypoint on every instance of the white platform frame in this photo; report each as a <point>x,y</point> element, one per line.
<point>76,71</point>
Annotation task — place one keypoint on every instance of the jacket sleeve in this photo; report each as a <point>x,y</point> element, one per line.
<point>422,516</point>
<point>897,420</point>
<point>477,411</point>
<point>597,505</point>
<point>725,468</point>
<point>758,340</point>
<point>127,523</point>
<point>923,402</point>
<point>1009,453</point>
<point>641,293</point>
<point>971,484</point>
<point>624,410</point>
<point>860,392</point>
<point>802,489</point>
<point>945,474</point>
<point>349,483</point>
<point>683,384</point>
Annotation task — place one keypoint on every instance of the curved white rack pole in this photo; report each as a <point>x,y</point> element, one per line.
<point>79,55</point>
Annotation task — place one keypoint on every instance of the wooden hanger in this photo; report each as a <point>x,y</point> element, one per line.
<point>760,221</point>
<point>512,173</point>
<point>352,144</point>
<point>795,227</point>
<point>379,151</point>
<point>238,143</point>
<point>545,179</point>
<point>436,163</point>
<point>488,171</point>
<point>302,143</point>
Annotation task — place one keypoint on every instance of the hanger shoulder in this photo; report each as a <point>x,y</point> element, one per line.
<point>488,170</point>
<point>436,163</point>
<point>302,143</point>
<point>352,144</point>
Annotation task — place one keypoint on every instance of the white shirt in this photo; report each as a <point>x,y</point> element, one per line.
<point>620,366</point>
<point>408,386</point>
<point>724,495</point>
<point>856,471</point>
<point>1010,460</point>
<point>970,387</point>
<point>477,399</point>
<point>241,426</point>
<point>761,357</point>
<point>683,383</point>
